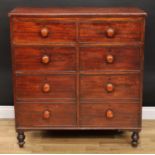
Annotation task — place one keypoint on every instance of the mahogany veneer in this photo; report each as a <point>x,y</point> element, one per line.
<point>77,68</point>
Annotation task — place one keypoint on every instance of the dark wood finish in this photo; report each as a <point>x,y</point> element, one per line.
<point>56,86</point>
<point>135,138</point>
<point>110,31</point>
<point>46,88</point>
<point>125,86</point>
<point>110,59</point>
<point>109,115</point>
<point>110,87</point>
<point>45,115</point>
<point>43,31</point>
<point>78,11</point>
<point>21,138</point>
<point>113,58</point>
<point>77,68</point>
<point>45,59</point>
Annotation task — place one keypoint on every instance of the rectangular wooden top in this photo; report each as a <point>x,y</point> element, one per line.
<point>78,11</point>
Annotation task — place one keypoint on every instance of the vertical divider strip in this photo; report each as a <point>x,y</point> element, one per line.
<point>77,72</point>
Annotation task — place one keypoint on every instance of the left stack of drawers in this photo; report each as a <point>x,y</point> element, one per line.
<point>43,47</point>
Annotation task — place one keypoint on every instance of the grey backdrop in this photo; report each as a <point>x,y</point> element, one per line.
<point>6,97</point>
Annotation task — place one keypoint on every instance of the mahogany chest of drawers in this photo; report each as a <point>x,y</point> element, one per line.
<point>77,68</point>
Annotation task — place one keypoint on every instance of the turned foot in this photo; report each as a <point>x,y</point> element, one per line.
<point>135,138</point>
<point>21,138</point>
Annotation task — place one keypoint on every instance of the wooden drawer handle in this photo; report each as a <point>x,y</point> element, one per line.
<point>46,114</point>
<point>46,88</point>
<point>44,32</point>
<point>110,32</point>
<point>109,87</point>
<point>109,113</point>
<point>109,58</point>
<point>45,59</point>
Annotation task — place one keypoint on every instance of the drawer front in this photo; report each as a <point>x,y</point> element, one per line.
<point>40,59</point>
<point>101,59</point>
<point>110,86</point>
<point>111,31</point>
<point>45,87</point>
<point>111,116</point>
<point>43,31</point>
<point>45,115</point>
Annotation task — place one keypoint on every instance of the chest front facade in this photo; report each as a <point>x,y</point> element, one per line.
<point>77,72</point>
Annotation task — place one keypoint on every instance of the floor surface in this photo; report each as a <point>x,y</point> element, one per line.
<point>76,141</point>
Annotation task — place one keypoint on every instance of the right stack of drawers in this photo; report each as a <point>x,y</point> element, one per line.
<point>111,66</point>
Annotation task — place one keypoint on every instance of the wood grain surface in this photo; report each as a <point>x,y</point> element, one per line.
<point>80,68</point>
<point>95,58</point>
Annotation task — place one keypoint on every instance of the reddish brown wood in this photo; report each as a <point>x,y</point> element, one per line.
<point>110,87</point>
<point>33,114</point>
<point>110,58</point>
<point>45,59</point>
<point>113,58</point>
<point>46,114</point>
<point>77,68</point>
<point>110,32</point>
<point>44,32</point>
<point>33,59</point>
<point>125,86</point>
<point>109,114</point>
<point>46,88</point>
<point>124,115</point>
<point>78,11</point>
<point>101,31</point>
<point>43,86</point>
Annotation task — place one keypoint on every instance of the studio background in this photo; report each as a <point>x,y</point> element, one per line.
<point>6,93</point>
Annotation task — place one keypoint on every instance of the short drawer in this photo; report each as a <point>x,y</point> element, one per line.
<point>111,115</point>
<point>110,87</point>
<point>45,115</point>
<point>110,30</point>
<point>113,58</point>
<point>45,59</point>
<point>45,87</point>
<point>38,30</point>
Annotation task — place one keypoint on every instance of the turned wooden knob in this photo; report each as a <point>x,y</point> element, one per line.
<point>110,87</point>
<point>44,32</point>
<point>45,59</point>
<point>46,114</point>
<point>46,88</point>
<point>109,113</point>
<point>110,32</point>
<point>109,58</point>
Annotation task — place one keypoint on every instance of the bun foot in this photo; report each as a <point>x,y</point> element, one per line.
<point>21,144</point>
<point>21,138</point>
<point>135,138</point>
